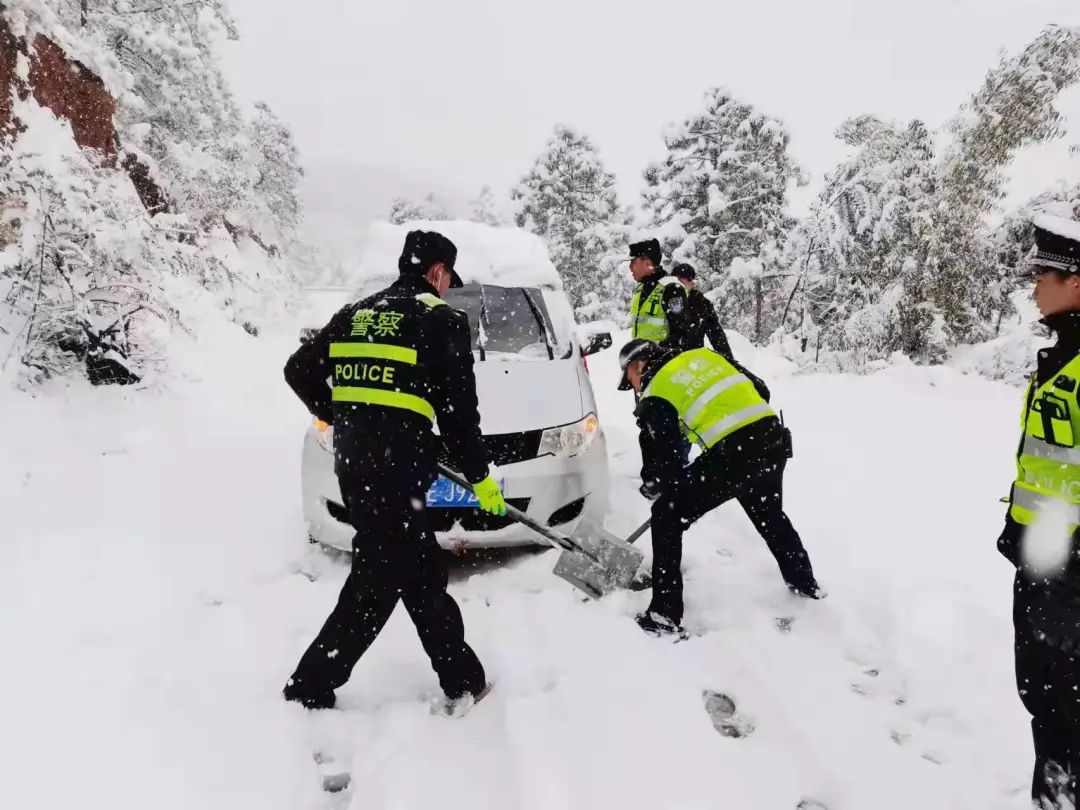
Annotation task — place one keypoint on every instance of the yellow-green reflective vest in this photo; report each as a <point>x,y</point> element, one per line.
<point>648,319</point>
<point>1048,462</point>
<point>712,397</point>
<point>377,364</point>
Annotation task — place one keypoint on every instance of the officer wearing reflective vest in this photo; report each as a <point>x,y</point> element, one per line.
<point>658,307</point>
<point>658,312</point>
<point>398,361</point>
<point>1040,536</point>
<point>725,410</point>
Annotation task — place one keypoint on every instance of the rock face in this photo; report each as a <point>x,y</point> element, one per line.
<point>76,94</point>
<point>61,84</point>
<point>73,92</point>
<point>9,54</point>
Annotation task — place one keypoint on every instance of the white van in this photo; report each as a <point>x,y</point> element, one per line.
<point>538,414</point>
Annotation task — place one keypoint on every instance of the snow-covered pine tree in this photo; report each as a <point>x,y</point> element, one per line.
<point>103,261</point>
<point>277,163</point>
<point>898,254</point>
<point>177,109</point>
<point>84,282</point>
<point>176,113</point>
<point>1014,108</point>
<point>428,209</point>
<point>860,250</point>
<point>485,209</point>
<point>719,201</point>
<point>569,200</point>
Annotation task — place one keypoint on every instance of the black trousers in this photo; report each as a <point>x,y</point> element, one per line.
<point>395,557</point>
<point>711,480</point>
<point>1048,681</point>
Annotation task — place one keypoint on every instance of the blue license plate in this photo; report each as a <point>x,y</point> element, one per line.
<point>444,493</point>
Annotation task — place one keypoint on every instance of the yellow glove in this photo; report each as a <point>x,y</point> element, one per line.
<point>490,497</point>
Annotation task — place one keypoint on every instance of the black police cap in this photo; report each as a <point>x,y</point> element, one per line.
<point>650,249</point>
<point>422,249</point>
<point>684,271</point>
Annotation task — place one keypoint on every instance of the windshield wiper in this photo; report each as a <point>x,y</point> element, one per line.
<point>540,320</point>
<point>481,337</point>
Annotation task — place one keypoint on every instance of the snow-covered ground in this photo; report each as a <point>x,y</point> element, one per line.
<point>156,589</point>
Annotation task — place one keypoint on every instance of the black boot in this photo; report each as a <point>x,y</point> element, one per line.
<point>308,699</point>
<point>658,625</point>
<point>460,705</point>
<point>809,590</point>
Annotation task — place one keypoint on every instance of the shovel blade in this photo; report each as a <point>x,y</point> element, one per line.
<point>614,567</point>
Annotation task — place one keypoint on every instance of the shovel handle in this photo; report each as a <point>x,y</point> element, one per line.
<point>555,538</point>
<point>640,530</point>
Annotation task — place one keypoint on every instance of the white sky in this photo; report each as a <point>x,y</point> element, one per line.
<point>458,94</point>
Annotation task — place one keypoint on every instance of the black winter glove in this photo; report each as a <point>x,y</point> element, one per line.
<point>1055,616</point>
<point>650,490</point>
<point>1008,544</point>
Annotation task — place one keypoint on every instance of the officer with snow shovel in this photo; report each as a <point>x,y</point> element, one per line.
<point>1041,537</point>
<point>399,360</point>
<point>725,409</point>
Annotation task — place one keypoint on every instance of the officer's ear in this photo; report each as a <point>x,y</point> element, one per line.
<point>434,274</point>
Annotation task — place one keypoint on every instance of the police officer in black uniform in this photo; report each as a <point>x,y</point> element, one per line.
<point>658,312</point>
<point>701,318</point>
<point>658,307</point>
<point>1046,603</point>
<point>399,360</point>
<point>746,464</point>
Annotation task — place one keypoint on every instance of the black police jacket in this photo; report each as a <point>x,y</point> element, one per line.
<point>381,371</point>
<point>701,322</point>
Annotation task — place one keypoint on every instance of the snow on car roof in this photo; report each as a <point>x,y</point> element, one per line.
<point>508,257</point>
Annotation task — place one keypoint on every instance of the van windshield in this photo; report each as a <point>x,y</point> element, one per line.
<point>507,320</point>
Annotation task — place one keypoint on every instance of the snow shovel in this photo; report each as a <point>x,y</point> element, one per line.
<point>595,564</point>
<point>616,553</point>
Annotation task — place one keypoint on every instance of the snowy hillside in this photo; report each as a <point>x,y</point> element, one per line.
<point>156,588</point>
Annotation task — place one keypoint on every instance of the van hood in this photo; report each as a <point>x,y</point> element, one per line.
<point>519,395</point>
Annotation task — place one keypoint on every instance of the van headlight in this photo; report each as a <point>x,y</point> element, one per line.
<point>569,440</point>
<point>324,432</point>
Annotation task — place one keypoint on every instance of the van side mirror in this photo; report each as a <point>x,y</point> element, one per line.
<point>596,343</point>
<point>308,334</point>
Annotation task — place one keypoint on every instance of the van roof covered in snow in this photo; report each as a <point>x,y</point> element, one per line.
<point>507,257</point>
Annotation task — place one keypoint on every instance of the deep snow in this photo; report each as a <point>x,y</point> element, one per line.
<point>156,589</point>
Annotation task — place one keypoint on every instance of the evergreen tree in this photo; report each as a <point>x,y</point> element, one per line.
<point>485,208</point>
<point>429,209</point>
<point>178,111</point>
<point>277,163</point>
<point>1014,108</point>
<point>85,285</point>
<point>569,199</point>
<point>897,253</point>
<point>719,198</point>
<point>95,277</point>
<point>870,231</point>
